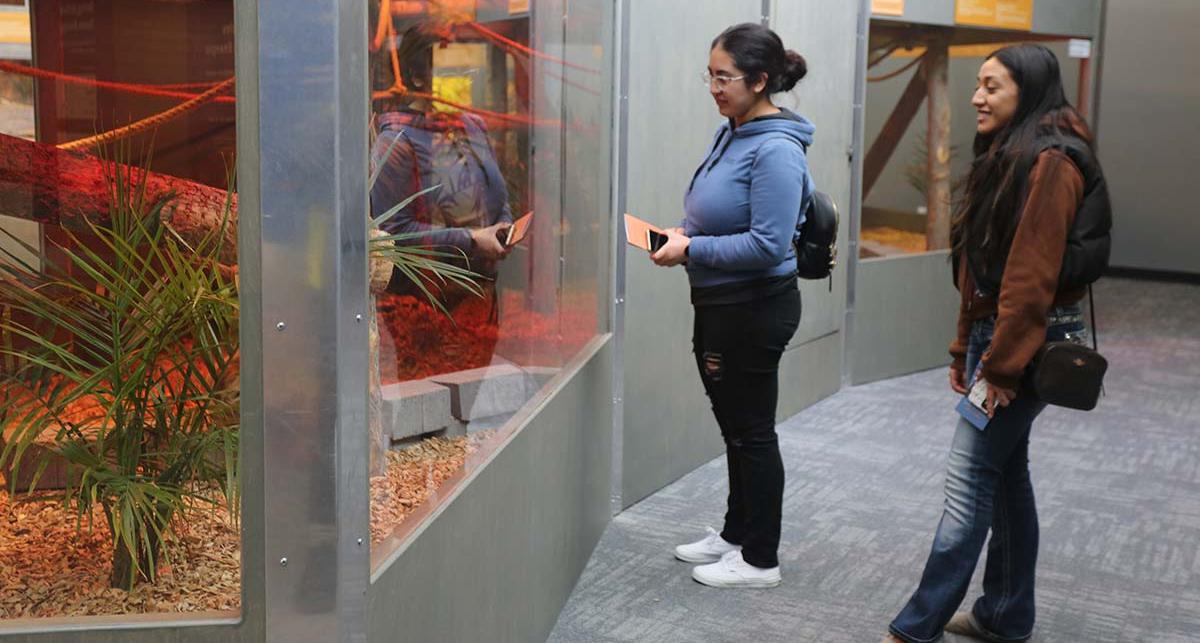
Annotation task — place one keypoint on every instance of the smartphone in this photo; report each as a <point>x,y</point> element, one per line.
<point>655,240</point>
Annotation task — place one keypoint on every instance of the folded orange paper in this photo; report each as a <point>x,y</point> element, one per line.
<point>519,229</point>
<point>635,232</point>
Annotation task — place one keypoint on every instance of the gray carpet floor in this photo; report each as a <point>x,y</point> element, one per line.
<point>1118,492</point>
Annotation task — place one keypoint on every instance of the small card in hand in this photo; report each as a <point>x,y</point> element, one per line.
<point>971,406</point>
<point>519,229</point>
<point>636,232</point>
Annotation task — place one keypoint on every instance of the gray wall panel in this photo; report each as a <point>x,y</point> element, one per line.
<point>668,424</point>
<point>929,12</point>
<point>103,629</point>
<point>1149,144</point>
<point>1067,17</point>
<point>823,32</point>
<point>905,316</point>
<point>809,373</point>
<point>499,560</point>
<point>669,428</point>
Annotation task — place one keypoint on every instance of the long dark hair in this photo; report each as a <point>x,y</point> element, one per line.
<point>756,50</point>
<point>986,217</point>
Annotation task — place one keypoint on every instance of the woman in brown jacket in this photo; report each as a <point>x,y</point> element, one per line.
<point>1030,234</point>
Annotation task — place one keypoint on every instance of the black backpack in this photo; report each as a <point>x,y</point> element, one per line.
<point>816,245</point>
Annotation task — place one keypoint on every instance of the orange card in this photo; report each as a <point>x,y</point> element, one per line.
<point>635,232</point>
<point>519,229</point>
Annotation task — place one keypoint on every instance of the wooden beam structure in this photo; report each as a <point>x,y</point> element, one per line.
<point>889,137</point>
<point>936,67</point>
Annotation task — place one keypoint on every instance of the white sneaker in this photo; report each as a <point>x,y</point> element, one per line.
<point>708,550</point>
<point>733,571</point>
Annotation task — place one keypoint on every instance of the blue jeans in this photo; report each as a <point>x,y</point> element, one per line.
<point>987,488</point>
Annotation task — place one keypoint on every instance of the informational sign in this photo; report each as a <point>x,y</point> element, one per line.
<point>1079,48</point>
<point>1014,14</point>
<point>1003,14</point>
<point>975,12</point>
<point>518,6</point>
<point>887,7</point>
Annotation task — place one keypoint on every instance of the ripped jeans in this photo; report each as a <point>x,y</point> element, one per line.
<point>737,349</point>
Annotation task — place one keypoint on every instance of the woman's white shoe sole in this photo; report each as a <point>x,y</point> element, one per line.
<point>755,584</point>
<point>699,560</point>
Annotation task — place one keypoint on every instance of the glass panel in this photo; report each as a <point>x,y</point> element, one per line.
<point>118,310</point>
<point>587,171</point>
<point>895,208</point>
<point>491,132</point>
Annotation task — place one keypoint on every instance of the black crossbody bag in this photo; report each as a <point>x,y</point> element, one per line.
<point>1069,374</point>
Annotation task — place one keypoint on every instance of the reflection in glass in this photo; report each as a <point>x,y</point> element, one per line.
<point>473,135</point>
<point>118,310</point>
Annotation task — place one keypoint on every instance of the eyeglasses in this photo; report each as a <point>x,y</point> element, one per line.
<point>720,81</point>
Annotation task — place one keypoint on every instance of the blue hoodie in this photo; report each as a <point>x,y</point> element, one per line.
<point>747,199</point>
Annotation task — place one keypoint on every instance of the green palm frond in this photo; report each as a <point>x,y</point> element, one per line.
<point>140,402</point>
<point>429,268</point>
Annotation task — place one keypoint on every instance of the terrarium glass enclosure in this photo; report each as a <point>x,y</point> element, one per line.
<point>208,426</point>
<point>489,195</point>
<point>119,309</point>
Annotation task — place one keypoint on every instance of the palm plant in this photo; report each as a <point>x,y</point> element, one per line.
<point>141,402</point>
<point>916,173</point>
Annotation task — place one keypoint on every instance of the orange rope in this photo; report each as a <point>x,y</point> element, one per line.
<point>514,45</point>
<point>497,116</point>
<point>893,74</point>
<point>151,122</point>
<point>381,27</point>
<point>185,85</point>
<point>129,88</point>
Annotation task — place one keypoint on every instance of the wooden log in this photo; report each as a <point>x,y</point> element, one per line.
<point>937,76</point>
<point>66,188</point>
<point>889,137</point>
<point>43,183</point>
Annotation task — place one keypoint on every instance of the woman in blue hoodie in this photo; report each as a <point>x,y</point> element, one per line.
<point>743,208</point>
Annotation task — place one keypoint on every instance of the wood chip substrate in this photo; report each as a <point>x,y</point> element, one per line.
<point>413,474</point>
<point>898,241</point>
<point>49,568</point>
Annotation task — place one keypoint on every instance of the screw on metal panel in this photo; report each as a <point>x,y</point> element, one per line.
<point>358,318</point>
<point>283,562</point>
<point>360,542</point>
<point>280,326</point>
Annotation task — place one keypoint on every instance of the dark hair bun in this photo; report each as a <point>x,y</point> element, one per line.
<point>757,51</point>
<point>794,70</point>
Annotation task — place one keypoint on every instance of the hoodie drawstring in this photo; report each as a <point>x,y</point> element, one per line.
<point>720,137</point>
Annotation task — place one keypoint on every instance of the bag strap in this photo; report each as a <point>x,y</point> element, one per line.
<point>1092,308</point>
<point>1095,335</point>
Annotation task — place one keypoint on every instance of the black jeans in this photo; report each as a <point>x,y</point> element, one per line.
<point>737,348</point>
